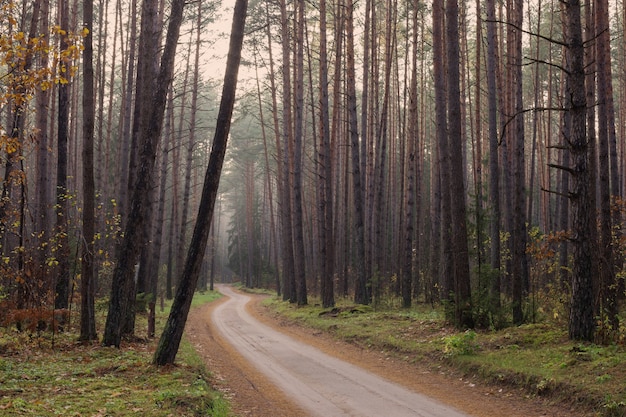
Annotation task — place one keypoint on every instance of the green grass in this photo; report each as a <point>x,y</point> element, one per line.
<point>537,357</point>
<point>38,378</point>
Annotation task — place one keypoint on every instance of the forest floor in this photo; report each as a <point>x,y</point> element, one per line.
<point>531,370</point>
<point>51,374</point>
<point>442,371</point>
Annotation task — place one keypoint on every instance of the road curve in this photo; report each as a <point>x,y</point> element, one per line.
<point>319,383</point>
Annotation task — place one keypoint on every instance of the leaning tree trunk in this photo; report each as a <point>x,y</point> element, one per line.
<point>173,332</point>
<point>131,245</point>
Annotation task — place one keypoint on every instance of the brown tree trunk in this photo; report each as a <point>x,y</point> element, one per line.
<point>494,166</point>
<point>62,207</point>
<point>462,289</point>
<point>410,215</point>
<point>361,291</point>
<point>273,237</point>
<point>173,332</point>
<point>129,251</point>
<point>289,283</point>
<point>298,217</point>
<point>126,119</point>
<point>446,261</point>
<point>87,282</point>
<point>607,301</point>
<point>515,136</point>
<point>181,246</point>
<point>582,323</point>
<point>324,168</point>
<point>43,203</point>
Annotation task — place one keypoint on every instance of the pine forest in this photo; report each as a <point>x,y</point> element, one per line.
<point>466,155</point>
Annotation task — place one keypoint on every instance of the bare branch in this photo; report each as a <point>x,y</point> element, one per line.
<point>568,195</point>
<point>541,61</point>
<point>562,167</point>
<point>529,32</point>
<point>534,109</point>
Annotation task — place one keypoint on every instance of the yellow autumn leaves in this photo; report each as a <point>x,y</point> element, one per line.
<point>23,69</point>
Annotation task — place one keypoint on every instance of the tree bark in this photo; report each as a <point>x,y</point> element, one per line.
<point>174,327</point>
<point>87,282</point>
<point>123,274</point>
<point>582,323</point>
<point>446,260</point>
<point>63,253</point>
<point>409,215</point>
<point>361,290</point>
<point>289,283</point>
<point>462,289</point>
<point>324,169</point>
<point>298,217</point>
<point>494,166</point>
<point>607,308</point>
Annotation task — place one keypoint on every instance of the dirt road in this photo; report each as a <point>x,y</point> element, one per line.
<point>269,368</point>
<point>321,384</point>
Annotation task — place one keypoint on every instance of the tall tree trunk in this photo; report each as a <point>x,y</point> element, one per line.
<point>289,283</point>
<point>173,332</point>
<point>439,52</point>
<point>172,229</point>
<point>462,289</point>
<point>409,215</point>
<point>519,276</point>
<point>127,118</point>
<point>478,146</point>
<point>43,203</point>
<point>607,300</point>
<point>379,185</point>
<point>270,198</point>
<point>494,166</point>
<point>62,206</point>
<point>582,323</point>
<point>147,69</point>
<point>184,214</point>
<point>248,228</point>
<point>298,217</point>
<point>361,291</point>
<point>129,251</point>
<point>87,282</point>
<point>324,168</point>
<point>287,265</point>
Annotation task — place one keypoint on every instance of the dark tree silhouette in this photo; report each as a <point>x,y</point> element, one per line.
<point>173,332</point>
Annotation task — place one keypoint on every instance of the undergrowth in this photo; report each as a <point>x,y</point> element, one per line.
<point>45,374</point>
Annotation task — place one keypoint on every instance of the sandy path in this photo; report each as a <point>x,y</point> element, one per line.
<point>319,383</point>
<point>256,392</point>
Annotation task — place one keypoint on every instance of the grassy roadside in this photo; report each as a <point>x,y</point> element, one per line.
<point>72,379</point>
<point>538,358</point>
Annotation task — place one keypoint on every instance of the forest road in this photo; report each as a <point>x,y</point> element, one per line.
<point>267,366</point>
<point>321,384</point>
